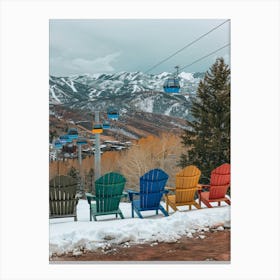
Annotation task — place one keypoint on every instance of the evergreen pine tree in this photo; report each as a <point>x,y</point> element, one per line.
<point>207,140</point>
<point>53,134</point>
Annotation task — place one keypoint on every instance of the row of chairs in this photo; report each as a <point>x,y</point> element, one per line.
<point>109,190</point>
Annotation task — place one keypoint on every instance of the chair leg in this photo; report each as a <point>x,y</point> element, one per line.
<point>199,198</point>
<point>165,213</point>
<point>190,207</point>
<point>207,204</point>
<point>173,206</point>
<point>121,214</point>
<point>132,211</point>
<point>195,204</point>
<point>138,213</point>
<point>227,201</point>
<point>157,212</point>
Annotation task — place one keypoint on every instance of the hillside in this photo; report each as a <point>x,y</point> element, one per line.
<point>144,108</point>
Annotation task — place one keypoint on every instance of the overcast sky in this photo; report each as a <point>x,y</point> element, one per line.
<point>109,46</point>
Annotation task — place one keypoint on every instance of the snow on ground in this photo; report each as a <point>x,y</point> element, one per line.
<point>71,84</point>
<point>163,74</point>
<point>136,88</point>
<point>68,236</point>
<point>146,105</point>
<point>179,125</point>
<point>124,132</point>
<point>167,112</point>
<point>53,94</point>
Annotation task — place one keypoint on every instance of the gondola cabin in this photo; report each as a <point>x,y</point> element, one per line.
<point>106,125</point>
<point>171,85</point>
<point>65,138</point>
<point>73,133</point>
<point>58,144</point>
<point>97,129</point>
<point>113,114</point>
<point>81,141</point>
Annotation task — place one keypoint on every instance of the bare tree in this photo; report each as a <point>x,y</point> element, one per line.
<point>151,152</point>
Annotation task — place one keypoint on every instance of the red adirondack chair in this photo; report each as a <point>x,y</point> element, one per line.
<point>219,184</point>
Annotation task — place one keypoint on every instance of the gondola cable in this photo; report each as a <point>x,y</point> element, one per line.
<point>172,85</point>
<point>186,66</point>
<point>188,45</point>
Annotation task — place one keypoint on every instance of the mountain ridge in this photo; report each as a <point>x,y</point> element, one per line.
<point>127,91</point>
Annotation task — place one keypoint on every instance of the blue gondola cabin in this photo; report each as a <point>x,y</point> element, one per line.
<point>81,141</point>
<point>171,85</point>
<point>113,114</point>
<point>106,125</point>
<point>65,138</point>
<point>73,133</point>
<point>58,144</point>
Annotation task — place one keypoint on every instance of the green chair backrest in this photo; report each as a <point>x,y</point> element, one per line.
<point>108,192</point>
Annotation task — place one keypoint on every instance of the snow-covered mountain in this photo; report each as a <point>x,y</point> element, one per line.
<point>134,91</point>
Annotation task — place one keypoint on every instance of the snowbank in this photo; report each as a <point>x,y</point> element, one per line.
<point>69,236</point>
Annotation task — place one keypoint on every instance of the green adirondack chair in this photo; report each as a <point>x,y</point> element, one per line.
<point>62,197</point>
<point>108,193</point>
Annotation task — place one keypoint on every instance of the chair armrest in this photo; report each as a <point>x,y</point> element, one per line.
<point>124,194</point>
<point>170,188</point>
<point>78,196</point>
<point>90,197</point>
<point>131,193</point>
<point>186,190</point>
<point>166,191</point>
<point>202,187</point>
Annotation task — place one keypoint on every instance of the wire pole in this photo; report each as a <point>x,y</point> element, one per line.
<point>177,71</point>
<point>97,165</point>
<point>57,159</point>
<point>80,154</point>
<point>80,167</point>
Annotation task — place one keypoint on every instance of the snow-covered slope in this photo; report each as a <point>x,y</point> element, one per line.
<point>135,91</point>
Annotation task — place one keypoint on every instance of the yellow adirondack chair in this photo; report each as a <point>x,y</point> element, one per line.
<point>186,185</point>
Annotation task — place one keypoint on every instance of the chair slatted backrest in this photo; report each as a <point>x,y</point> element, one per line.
<point>187,178</point>
<point>152,186</point>
<point>62,195</point>
<point>219,181</point>
<point>108,191</point>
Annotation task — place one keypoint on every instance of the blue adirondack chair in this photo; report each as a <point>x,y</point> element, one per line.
<point>152,186</point>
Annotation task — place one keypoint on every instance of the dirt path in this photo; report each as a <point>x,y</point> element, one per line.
<point>214,246</point>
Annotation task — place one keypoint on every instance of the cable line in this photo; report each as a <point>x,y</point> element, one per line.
<point>205,56</point>
<point>188,45</point>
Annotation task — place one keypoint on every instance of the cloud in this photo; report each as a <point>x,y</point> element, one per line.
<point>107,46</point>
<point>98,65</point>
